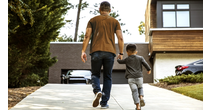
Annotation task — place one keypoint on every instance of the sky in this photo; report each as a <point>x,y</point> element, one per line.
<point>131,13</point>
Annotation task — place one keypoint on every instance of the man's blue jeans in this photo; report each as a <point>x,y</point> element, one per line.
<point>99,59</point>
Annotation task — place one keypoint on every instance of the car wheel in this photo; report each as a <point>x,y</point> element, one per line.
<point>198,72</point>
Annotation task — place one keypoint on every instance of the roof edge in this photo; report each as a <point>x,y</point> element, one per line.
<point>171,29</point>
<point>89,43</point>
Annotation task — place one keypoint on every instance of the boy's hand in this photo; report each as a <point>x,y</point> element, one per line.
<point>120,57</point>
<point>149,71</point>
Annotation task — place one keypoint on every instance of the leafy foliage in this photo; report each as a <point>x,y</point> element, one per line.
<point>83,6</point>
<point>28,48</point>
<point>64,38</point>
<point>113,14</point>
<point>19,8</point>
<point>141,28</point>
<point>190,78</point>
<point>81,37</point>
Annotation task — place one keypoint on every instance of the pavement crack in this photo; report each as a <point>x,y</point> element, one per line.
<point>117,102</point>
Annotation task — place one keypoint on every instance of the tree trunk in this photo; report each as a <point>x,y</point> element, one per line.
<point>77,21</point>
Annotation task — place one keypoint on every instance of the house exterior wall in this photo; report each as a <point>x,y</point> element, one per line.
<point>153,14</point>
<point>173,46</point>
<point>177,40</point>
<point>69,58</point>
<point>164,63</point>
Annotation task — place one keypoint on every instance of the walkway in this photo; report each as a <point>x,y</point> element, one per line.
<point>79,97</point>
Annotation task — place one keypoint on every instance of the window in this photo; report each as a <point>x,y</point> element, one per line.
<point>168,6</point>
<point>183,19</point>
<point>176,15</point>
<point>182,6</point>
<point>169,19</point>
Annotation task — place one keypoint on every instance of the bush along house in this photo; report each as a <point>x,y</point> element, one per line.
<point>174,30</point>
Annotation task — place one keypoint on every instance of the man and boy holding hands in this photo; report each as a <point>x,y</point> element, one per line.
<point>101,30</point>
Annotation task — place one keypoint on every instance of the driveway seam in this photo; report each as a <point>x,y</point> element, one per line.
<point>117,102</point>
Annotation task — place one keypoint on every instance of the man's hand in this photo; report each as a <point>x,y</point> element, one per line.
<point>120,57</point>
<point>149,71</point>
<point>83,57</point>
<point>85,44</point>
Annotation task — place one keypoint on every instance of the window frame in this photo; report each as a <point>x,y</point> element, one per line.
<point>175,10</point>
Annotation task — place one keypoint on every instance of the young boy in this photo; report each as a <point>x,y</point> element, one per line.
<point>134,74</point>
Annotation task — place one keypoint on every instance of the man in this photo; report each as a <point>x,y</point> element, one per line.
<point>102,51</point>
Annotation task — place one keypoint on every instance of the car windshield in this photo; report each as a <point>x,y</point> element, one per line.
<point>196,62</point>
<point>84,73</point>
<point>200,62</point>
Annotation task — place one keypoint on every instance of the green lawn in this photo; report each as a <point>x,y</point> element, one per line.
<point>195,91</point>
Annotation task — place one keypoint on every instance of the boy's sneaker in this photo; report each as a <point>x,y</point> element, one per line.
<point>104,106</point>
<point>142,102</point>
<point>98,95</point>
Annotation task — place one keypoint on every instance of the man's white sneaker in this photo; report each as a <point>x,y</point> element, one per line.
<point>96,101</point>
<point>104,106</point>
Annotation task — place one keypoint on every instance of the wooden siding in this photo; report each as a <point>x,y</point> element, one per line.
<point>176,41</point>
<point>150,18</point>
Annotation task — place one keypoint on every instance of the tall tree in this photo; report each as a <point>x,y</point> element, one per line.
<point>28,48</point>
<point>77,20</point>
<point>113,14</point>
<point>80,6</point>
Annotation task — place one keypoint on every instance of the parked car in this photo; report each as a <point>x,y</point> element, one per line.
<point>192,68</point>
<point>77,76</point>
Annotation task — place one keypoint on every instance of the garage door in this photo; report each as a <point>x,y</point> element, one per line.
<point>118,77</point>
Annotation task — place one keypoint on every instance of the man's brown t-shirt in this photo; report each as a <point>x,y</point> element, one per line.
<point>103,29</point>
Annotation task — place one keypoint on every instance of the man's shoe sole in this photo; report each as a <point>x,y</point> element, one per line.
<point>97,99</point>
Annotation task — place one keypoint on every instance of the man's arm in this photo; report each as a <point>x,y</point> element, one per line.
<point>120,43</point>
<point>85,44</point>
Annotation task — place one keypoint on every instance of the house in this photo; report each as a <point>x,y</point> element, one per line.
<point>174,30</point>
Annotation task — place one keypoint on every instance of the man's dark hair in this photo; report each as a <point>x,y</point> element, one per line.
<point>131,47</point>
<point>105,6</point>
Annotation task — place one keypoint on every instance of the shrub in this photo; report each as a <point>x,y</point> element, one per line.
<point>35,80</point>
<point>190,78</point>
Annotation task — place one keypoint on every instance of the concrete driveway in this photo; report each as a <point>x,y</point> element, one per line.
<point>80,97</point>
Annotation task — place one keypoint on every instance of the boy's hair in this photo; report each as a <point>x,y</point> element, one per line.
<point>131,48</point>
<point>105,6</point>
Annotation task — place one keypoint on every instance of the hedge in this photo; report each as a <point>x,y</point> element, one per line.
<point>190,78</point>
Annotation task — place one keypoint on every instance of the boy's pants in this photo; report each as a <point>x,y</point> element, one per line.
<point>136,88</point>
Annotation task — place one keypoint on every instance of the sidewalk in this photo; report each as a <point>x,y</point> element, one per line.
<point>80,97</point>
